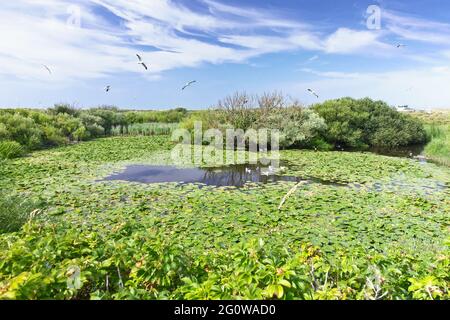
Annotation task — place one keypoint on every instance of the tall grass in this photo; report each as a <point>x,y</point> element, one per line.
<point>10,149</point>
<point>438,149</point>
<point>15,211</point>
<point>145,129</point>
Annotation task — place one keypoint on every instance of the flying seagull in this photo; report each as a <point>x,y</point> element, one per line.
<point>190,83</point>
<point>141,62</point>
<point>48,69</point>
<point>312,92</point>
<point>108,88</point>
<point>400,45</point>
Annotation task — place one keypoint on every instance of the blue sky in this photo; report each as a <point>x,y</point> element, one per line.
<point>227,46</point>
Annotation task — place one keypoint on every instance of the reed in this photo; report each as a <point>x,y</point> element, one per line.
<point>145,129</point>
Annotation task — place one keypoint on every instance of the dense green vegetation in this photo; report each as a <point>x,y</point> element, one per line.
<point>437,125</point>
<point>375,227</point>
<point>343,123</point>
<point>366,123</point>
<point>439,147</point>
<point>299,127</point>
<point>23,130</point>
<point>146,129</point>
<point>384,236</point>
<point>15,211</point>
<point>10,149</point>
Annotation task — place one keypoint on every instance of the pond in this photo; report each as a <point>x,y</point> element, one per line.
<point>414,151</point>
<point>232,176</point>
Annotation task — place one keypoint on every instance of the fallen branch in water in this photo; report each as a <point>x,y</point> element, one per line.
<point>286,197</point>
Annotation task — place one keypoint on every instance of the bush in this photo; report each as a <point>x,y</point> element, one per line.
<point>10,149</point>
<point>298,127</point>
<point>108,117</point>
<point>366,123</point>
<point>3,132</point>
<point>92,124</point>
<point>142,267</point>
<point>237,111</point>
<point>64,109</point>
<point>22,129</point>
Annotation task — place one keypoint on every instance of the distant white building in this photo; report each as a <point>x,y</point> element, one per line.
<point>405,109</point>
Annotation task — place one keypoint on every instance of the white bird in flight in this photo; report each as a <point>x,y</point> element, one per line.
<point>48,69</point>
<point>190,83</point>
<point>141,62</point>
<point>108,88</point>
<point>312,92</point>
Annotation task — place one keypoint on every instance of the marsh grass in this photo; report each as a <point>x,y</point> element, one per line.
<point>438,149</point>
<point>15,211</point>
<point>146,129</point>
<point>10,149</point>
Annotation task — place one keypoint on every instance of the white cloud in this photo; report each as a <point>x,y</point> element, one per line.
<point>417,29</point>
<point>36,33</point>
<point>332,74</point>
<point>169,35</point>
<point>346,41</point>
<point>420,88</point>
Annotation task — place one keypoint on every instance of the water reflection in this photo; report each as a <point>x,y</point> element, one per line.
<point>235,175</point>
<point>415,151</point>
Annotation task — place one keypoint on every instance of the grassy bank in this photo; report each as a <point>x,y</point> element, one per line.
<point>437,125</point>
<point>438,149</point>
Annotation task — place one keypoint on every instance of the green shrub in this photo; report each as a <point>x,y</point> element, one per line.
<point>22,129</point>
<point>10,149</point>
<point>3,132</point>
<point>92,124</point>
<point>63,108</point>
<point>53,137</point>
<point>298,127</point>
<point>137,266</point>
<point>364,122</point>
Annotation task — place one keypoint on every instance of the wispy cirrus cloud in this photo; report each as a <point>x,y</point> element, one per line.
<point>167,33</point>
<point>419,87</point>
<point>417,29</point>
<point>171,34</point>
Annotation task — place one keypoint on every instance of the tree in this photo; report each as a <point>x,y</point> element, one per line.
<point>366,123</point>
